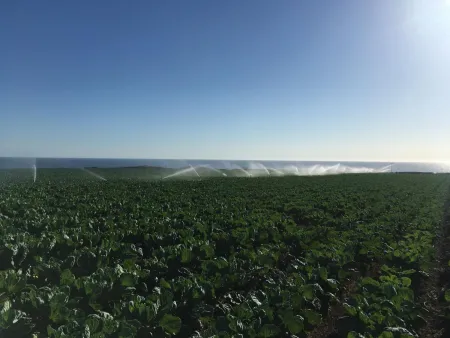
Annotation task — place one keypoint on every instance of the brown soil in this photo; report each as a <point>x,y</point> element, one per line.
<point>430,294</point>
<point>432,290</point>
<point>328,329</point>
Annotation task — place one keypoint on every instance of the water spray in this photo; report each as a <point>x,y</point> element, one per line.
<point>34,173</point>
<point>94,174</point>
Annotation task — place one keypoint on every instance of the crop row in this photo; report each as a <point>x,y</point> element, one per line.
<point>267,257</point>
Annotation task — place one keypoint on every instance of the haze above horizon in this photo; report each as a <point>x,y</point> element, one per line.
<point>286,80</point>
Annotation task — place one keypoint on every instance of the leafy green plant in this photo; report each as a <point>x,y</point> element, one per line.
<point>266,257</point>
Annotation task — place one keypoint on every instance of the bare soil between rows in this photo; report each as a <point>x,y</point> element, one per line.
<point>431,295</point>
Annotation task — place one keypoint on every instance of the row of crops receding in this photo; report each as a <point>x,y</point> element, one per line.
<point>331,256</point>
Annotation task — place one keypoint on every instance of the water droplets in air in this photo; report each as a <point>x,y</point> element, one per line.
<point>34,172</point>
<point>275,172</point>
<point>258,169</point>
<point>195,171</point>
<point>236,170</point>
<point>187,172</point>
<point>94,174</point>
<point>205,169</point>
<point>255,169</point>
<point>209,167</point>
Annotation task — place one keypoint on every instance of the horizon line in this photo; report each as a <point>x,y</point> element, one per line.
<point>229,160</point>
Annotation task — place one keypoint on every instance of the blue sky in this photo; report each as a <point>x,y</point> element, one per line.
<point>254,79</point>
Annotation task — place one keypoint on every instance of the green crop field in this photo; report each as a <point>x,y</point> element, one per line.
<point>328,256</point>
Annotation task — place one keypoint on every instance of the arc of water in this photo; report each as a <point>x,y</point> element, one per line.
<point>178,173</point>
<point>211,168</point>
<point>264,167</point>
<point>322,170</point>
<point>332,169</point>
<point>260,165</point>
<point>193,168</point>
<point>255,169</point>
<point>288,170</point>
<point>385,168</point>
<point>183,171</point>
<point>34,173</point>
<point>312,169</point>
<point>337,168</point>
<point>276,171</point>
<point>235,166</point>
<point>94,174</point>
<point>244,171</point>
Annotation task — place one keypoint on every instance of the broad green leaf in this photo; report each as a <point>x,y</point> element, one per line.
<point>87,332</point>
<point>342,274</point>
<point>5,307</point>
<point>323,273</point>
<point>293,323</point>
<point>186,255</point>
<point>3,297</point>
<point>208,250</point>
<point>369,281</point>
<point>255,300</point>
<point>51,332</point>
<point>127,280</point>
<point>406,294</point>
<point>110,325</point>
<point>269,330</point>
<point>313,317</point>
<point>447,295</point>
<point>350,309</point>
<point>170,324</point>
<point>400,330</point>
<point>364,318</point>
<point>164,283</point>
<point>127,330</point>
<point>316,303</point>
<point>406,281</point>
<point>308,292</point>
<point>386,334</point>
<point>67,277</point>
<point>333,283</point>
<point>389,290</point>
<point>234,323</point>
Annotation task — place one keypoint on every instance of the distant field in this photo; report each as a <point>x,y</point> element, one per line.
<point>130,173</point>
<point>138,256</point>
<point>188,172</point>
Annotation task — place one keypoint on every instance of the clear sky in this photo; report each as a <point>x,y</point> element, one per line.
<point>253,79</point>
